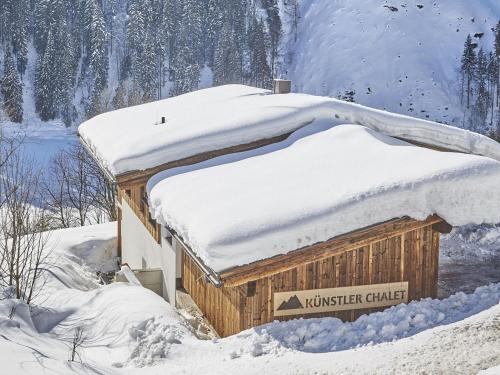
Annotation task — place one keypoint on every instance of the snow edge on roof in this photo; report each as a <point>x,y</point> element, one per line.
<point>317,108</point>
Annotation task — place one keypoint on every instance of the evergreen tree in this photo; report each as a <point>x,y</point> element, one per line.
<point>64,78</point>
<point>149,76</point>
<point>292,10</point>
<point>227,59</point>
<point>120,98</point>
<point>497,57</point>
<point>468,68</point>
<point>20,33</point>
<point>492,74</point>
<point>482,97</point>
<point>213,25</point>
<point>11,89</point>
<point>275,30</point>
<point>98,48</point>
<point>45,83</point>
<point>185,67</point>
<point>260,71</point>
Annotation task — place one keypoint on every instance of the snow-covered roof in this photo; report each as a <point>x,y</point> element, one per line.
<point>237,210</point>
<point>132,138</point>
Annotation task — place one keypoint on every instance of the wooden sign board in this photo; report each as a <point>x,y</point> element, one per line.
<point>315,301</point>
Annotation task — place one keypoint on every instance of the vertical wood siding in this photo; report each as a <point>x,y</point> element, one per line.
<point>409,256</point>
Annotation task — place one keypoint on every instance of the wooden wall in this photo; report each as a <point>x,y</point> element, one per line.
<point>133,196</point>
<point>408,256</point>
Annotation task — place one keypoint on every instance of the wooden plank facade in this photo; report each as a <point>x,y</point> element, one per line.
<point>135,196</point>
<point>401,250</point>
<point>379,256</point>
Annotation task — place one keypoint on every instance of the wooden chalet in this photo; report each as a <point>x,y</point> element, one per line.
<point>345,276</point>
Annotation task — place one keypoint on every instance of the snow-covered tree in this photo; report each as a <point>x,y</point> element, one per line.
<point>11,89</point>
<point>98,48</point>
<point>468,69</point>
<point>45,82</point>
<point>227,65</point>
<point>259,67</point>
<point>482,98</point>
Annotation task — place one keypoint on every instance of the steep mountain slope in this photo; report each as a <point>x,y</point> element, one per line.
<point>403,60</point>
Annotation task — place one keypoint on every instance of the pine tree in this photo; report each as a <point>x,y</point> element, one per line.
<point>468,68</point>
<point>185,67</point>
<point>65,76</point>
<point>20,33</point>
<point>492,74</point>
<point>45,83</point>
<point>227,59</point>
<point>497,57</point>
<point>11,89</point>
<point>275,30</point>
<point>213,25</point>
<point>98,48</point>
<point>292,10</point>
<point>120,98</point>
<point>482,97</point>
<point>149,76</point>
<point>260,71</point>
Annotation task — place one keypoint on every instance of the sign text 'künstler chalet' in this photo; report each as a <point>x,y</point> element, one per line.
<point>315,301</point>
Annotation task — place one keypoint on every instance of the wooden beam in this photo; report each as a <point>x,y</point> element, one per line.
<point>359,238</point>
<point>127,179</point>
<point>442,227</point>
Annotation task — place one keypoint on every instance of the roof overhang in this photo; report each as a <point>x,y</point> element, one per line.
<point>93,153</point>
<point>359,238</point>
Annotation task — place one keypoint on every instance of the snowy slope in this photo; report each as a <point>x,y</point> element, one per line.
<point>130,330</point>
<point>402,61</point>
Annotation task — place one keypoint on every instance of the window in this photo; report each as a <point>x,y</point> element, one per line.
<point>128,192</point>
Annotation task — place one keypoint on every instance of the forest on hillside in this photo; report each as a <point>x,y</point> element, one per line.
<point>70,60</point>
<point>479,79</point>
<point>90,56</point>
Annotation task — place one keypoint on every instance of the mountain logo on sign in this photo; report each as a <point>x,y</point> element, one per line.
<point>292,303</point>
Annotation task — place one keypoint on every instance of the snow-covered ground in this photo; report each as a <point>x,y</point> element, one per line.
<point>130,330</point>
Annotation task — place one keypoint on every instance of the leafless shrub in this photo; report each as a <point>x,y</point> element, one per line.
<point>12,312</point>
<point>77,191</point>
<point>23,235</point>
<point>76,343</point>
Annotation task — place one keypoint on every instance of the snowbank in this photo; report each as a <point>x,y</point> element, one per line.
<point>404,320</point>
<point>130,330</point>
<point>320,186</point>
<point>132,138</point>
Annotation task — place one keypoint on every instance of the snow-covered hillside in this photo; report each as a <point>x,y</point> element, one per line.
<point>130,330</point>
<point>405,61</point>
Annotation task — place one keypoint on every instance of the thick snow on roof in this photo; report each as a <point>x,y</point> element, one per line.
<point>132,138</point>
<point>318,187</point>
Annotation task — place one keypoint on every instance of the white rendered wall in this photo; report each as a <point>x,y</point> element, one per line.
<point>141,251</point>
